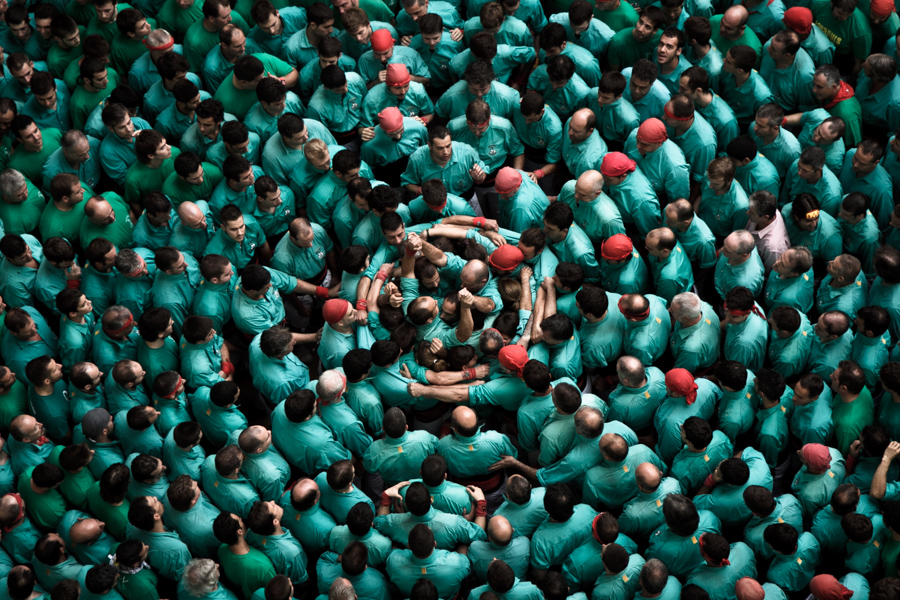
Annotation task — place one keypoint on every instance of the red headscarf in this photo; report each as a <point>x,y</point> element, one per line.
<point>616,247</point>
<point>681,382</point>
<point>382,40</point>
<point>652,131</point>
<point>816,456</point>
<point>799,19</point>
<point>334,310</point>
<point>514,358</point>
<point>616,164</point>
<point>826,587</point>
<point>506,258</point>
<point>508,179</point>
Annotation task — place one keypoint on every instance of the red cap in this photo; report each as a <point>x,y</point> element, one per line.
<point>616,164</point>
<point>881,8</point>
<point>681,382</point>
<point>652,131</point>
<point>506,258</point>
<point>390,119</point>
<point>397,74</point>
<point>508,179</point>
<point>382,40</point>
<point>816,456</point>
<point>514,358</point>
<point>826,587</point>
<point>616,247</point>
<point>799,19</point>
<point>334,310</point>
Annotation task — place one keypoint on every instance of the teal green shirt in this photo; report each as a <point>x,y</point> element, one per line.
<point>636,406</point>
<point>796,292</point>
<point>794,571</point>
<point>750,274</point>
<point>746,342</point>
<point>552,543</point>
<point>697,347</point>
<point>399,459</point>
<point>665,167</point>
<point>647,339</point>
<point>682,554</point>
<point>637,202</point>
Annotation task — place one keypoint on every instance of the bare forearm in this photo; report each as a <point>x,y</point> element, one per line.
<point>485,305</point>
<point>879,480</point>
<point>466,325</point>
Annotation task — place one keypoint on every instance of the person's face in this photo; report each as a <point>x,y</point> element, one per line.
<point>339,91</point>
<point>247,179</point>
<point>431,283</point>
<point>728,65</point>
<point>104,214</point>
<point>101,80</point>
<point>754,216</point>
<point>584,194</point>
<point>667,50</point>
<point>384,55</point>
<point>17,197</point>
<point>806,172</point>
<point>863,163</point>
<point>238,149</point>
<point>646,148</point>
<point>833,268</point>
<point>238,45</point>
<point>6,121</point>
<point>672,14</point>
<point>226,276</point>
<point>323,30</point>
<point>47,100</point>
<point>222,19</point>
<point>142,29</point>
<point>510,11</point>
<point>604,99</point>
<point>396,237</point>
<point>42,26</point>
<point>730,29</point>
<point>479,91</point>
<point>304,239</point>
<point>27,331</point>
<point>22,31</point>
<point>441,149</point>
<point>159,219</point>
<point>554,233</point>
<point>163,151</point>
<point>321,164</point>
<point>327,61</point>
<point>179,267</point>
<point>478,129</point>
<point>841,13</point>
<point>271,199</point>
<point>717,184</point>
<point>535,118</point>
<point>653,249</point>
<point>7,380</point>
<point>106,13</point>
<point>643,31</point>
<point>764,128</point>
<point>23,75</point>
<point>639,88</point>
<point>398,91</point>
<point>528,252</point>
<point>32,138</point>
<point>821,90</point>
<point>80,153</point>
<point>431,40</point>
<point>578,130</point>
<point>847,217</point>
<point>824,134</point>
<point>776,51</point>
<point>271,26</point>
<point>208,127</point>
<point>418,10</point>
<point>299,139</point>
<point>349,175</point>
<point>344,5</point>
<point>76,195</point>
<point>784,266</point>
<point>125,129</point>
<point>580,27</point>
<point>184,4</point>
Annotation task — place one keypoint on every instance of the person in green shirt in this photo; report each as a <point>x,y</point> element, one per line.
<point>558,83</point>
<point>64,214</point>
<point>127,45</point>
<point>18,270</point>
<point>660,159</point>
<point>696,334</point>
<point>629,188</point>
<point>444,568</point>
<point>137,581</point>
<point>238,91</point>
<point>831,344</point>
<point>67,35</point>
<point>730,30</point>
<point>95,86</point>
<point>669,264</point>
<point>628,45</point>
<point>846,26</point>
<point>203,35</point>
<point>616,14</point>
<point>13,398</point>
<point>478,84</point>
<point>36,144</point>
<point>38,488</point>
<point>242,564</point>
<point>853,408</point>
<point>155,162</point>
<point>274,101</point>
<point>21,203</point>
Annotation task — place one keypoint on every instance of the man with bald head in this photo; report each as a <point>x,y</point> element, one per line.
<point>263,464</point>
<point>610,484</point>
<point>643,514</point>
<point>470,452</point>
<point>28,447</point>
<point>582,148</point>
<point>669,264</point>
<point>305,518</point>
<point>647,326</point>
<point>640,392</point>
<point>476,278</point>
<point>594,211</point>
<point>694,235</point>
<point>86,537</point>
<point>502,544</point>
<point>193,228</point>
<point>19,533</point>
<point>730,29</point>
<point>740,265</point>
<point>108,218</point>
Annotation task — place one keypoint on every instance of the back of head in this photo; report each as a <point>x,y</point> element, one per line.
<point>500,576</point>
<point>559,502</point>
<point>680,514</point>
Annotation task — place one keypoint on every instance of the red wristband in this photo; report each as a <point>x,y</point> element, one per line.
<point>539,173</point>
<point>321,292</point>
<point>381,276</point>
<point>410,251</point>
<point>73,284</point>
<point>709,481</point>
<point>479,221</point>
<point>361,305</point>
<point>227,367</point>
<point>385,499</point>
<point>481,508</point>
<point>784,122</point>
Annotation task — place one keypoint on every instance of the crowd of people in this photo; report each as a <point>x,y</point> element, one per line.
<point>445,299</point>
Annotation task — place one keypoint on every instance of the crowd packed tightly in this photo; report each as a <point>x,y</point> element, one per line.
<point>449,299</point>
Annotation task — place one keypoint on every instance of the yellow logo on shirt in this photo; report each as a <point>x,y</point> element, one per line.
<point>471,448</point>
<point>625,578</point>
<point>780,520</point>
<point>216,484</point>
<point>799,561</point>
<point>399,449</point>
<point>646,394</point>
<point>831,474</point>
<point>424,571</point>
<point>625,468</point>
<point>658,503</point>
<point>706,457</point>
<point>694,539</point>
<point>658,320</point>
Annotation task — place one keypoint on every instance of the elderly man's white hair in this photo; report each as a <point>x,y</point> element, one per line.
<point>686,306</point>
<point>341,589</point>
<point>330,385</point>
<point>11,181</point>
<point>201,577</point>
